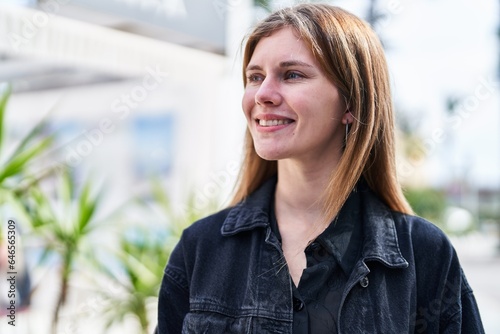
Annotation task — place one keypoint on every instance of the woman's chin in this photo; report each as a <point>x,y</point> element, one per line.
<point>269,155</point>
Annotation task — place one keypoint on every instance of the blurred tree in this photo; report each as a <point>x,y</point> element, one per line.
<point>16,167</point>
<point>427,203</point>
<point>17,175</point>
<point>266,4</point>
<point>141,258</point>
<point>142,255</point>
<point>373,15</point>
<point>64,223</point>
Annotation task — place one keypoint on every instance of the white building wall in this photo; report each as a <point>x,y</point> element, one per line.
<point>200,91</point>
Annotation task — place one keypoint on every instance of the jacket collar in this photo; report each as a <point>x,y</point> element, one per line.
<point>380,237</point>
<point>252,212</point>
<point>380,242</point>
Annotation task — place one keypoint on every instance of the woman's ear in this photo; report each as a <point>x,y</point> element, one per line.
<point>348,118</point>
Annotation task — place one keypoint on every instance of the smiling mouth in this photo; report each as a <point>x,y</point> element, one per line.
<point>273,122</point>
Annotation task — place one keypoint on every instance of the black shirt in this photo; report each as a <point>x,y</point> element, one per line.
<point>330,259</point>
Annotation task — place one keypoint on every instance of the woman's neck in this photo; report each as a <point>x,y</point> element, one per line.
<point>300,189</point>
<point>299,209</point>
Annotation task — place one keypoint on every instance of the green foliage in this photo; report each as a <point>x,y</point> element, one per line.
<point>62,222</point>
<point>14,167</point>
<point>3,107</point>
<point>142,255</point>
<point>266,4</point>
<point>428,203</point>
<point>61,214</point>
<point>141,259</point>
<point>64,225</point>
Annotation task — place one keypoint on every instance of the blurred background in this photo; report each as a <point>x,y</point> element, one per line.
<point>121,124</point>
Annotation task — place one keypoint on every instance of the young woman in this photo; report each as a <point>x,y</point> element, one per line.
<point>320,238</point>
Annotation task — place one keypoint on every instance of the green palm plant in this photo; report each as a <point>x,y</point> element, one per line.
<point>64,224</point>
<point>141,257</point>
<point>16,174</point>
<point>19,167</point>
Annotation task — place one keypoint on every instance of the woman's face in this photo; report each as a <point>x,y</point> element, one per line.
<point>292,109</point>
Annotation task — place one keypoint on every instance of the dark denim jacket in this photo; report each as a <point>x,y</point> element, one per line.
<point>226,275</point>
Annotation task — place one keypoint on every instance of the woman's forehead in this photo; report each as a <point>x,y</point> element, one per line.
<point>283,45</point>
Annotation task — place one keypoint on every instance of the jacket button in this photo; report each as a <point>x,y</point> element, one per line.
<point>364,282</point>
<point>298,304</point>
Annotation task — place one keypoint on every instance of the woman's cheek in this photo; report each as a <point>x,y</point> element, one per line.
<point>247,103</point>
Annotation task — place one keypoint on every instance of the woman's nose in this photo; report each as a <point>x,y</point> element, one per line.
<point>268,92</point>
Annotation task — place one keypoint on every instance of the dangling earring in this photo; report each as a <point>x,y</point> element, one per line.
<point>346,131</point>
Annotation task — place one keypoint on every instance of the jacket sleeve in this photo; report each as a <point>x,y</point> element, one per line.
<point>467,319</point>
<point>173,299</point>
<point>445,301</point>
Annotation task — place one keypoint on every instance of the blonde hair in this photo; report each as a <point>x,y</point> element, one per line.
<point>352,57</point>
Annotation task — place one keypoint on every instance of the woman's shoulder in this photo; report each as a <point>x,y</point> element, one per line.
<point>415,224</point>
<point>423,235</point>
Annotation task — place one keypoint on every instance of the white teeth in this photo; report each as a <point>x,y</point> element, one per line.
<point>274,122</point>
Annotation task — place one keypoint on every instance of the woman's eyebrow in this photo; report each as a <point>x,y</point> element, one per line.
<point>291,63</point>
<point>288,63</point>
<point>253,67</point>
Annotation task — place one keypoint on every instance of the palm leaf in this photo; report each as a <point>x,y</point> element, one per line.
<point>66,188</point>
<point>27,149</point>
<point>3,106</point>
<point>37,130</point>
<point>17,162</point>
<point>86,207</point>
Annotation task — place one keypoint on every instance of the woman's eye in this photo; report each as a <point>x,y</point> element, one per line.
<point>254,78</point>
<point>293,75</point>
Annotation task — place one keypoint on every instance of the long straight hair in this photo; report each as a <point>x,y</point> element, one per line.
<point>352,57</point>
